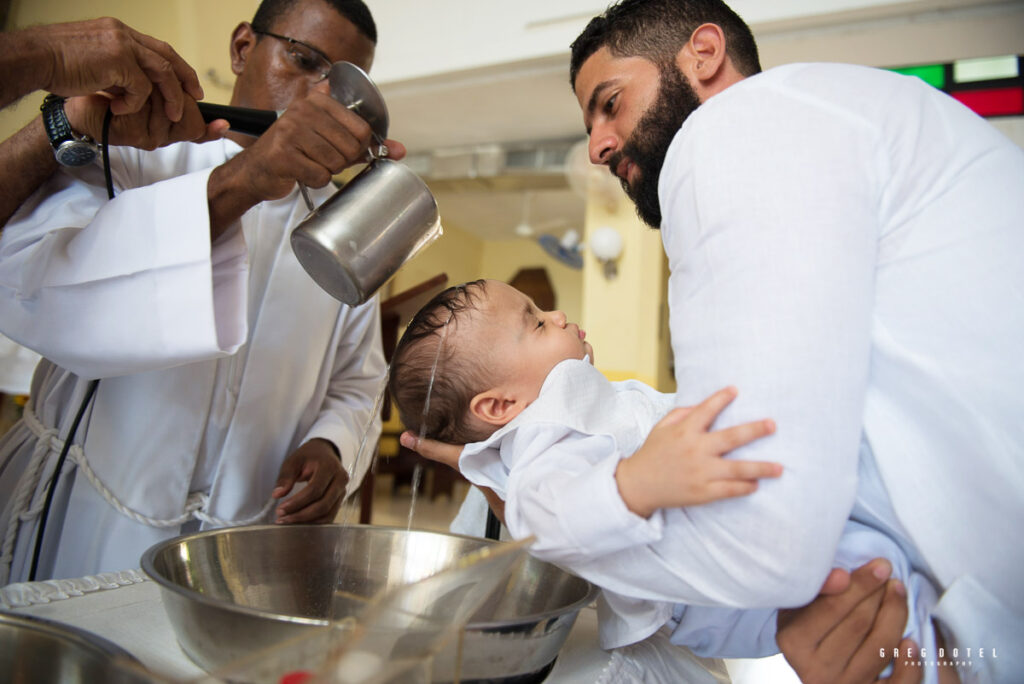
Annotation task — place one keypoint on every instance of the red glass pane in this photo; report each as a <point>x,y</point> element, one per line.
<point>993,102</point>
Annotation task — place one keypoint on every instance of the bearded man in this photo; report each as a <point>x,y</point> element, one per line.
<point>843,245</point>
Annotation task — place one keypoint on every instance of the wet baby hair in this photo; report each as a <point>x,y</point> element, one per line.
<point>457,379</point>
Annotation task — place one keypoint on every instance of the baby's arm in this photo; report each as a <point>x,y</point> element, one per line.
<point>582,500</point>
<point>681,462</point>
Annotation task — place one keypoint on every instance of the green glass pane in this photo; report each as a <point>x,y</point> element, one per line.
<point>984,69</point>
<point>932,74</point>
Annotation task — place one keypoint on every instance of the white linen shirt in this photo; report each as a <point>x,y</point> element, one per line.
<point>845,248</point>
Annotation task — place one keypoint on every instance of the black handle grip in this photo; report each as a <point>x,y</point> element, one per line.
<point>242,119</point>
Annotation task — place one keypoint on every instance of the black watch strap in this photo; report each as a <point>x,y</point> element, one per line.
<point>69,149</point>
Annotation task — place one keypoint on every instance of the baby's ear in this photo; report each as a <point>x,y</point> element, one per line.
<point>495,407</point>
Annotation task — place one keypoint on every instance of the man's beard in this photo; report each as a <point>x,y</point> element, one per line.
<point>648,144</point>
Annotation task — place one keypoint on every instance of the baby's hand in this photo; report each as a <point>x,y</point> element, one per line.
<point>681,462</point>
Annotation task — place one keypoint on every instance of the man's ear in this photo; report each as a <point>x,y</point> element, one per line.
<point>703,61</point>
<point>243,39</point>
<point>496,406</point>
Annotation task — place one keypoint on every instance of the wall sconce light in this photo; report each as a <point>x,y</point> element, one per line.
<point>606,244</point>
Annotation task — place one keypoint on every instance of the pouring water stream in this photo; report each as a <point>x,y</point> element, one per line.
<point>418,470</point>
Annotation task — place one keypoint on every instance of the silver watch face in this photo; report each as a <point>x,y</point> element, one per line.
<point>76,152</point>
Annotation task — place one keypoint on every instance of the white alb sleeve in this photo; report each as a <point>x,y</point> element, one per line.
<point>131,284</point>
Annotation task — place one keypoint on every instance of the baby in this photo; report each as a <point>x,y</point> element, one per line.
<point>567,450</point>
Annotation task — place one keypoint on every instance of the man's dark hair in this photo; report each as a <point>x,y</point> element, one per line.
<point>355,11</point>
<point>456,380</point>
<point>658,29</point>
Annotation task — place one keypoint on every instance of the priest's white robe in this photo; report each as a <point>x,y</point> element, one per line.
<point>168,439</point>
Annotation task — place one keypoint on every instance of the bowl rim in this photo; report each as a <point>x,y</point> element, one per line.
<point>63,631</point>
<point>149,556</point>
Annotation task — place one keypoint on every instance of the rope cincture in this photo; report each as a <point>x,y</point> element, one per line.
<point>23,496</point>
<point>49,441</point>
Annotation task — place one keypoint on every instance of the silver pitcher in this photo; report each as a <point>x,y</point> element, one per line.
<point>357,239</point>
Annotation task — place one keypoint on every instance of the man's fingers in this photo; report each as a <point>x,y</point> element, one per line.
<point>187,76</point>
<point>215,130</point>
<point>344,130</point>
<point>822,615</point>
<point>160,128</point>
<point>396,150</point>
<point>191,127</point>
<point>838,581</point>
<point>321,509</point>
<point>317,482</point>
<point>285,480</point>
<point>160,73</point>
<point>130,90</point>
<point>852,630</point>
<point>168,71</point>
<point>432,449</point>
<point>887,628</point>
<point>305,507</point>
<point>864,581</point>
<point>904,671</point>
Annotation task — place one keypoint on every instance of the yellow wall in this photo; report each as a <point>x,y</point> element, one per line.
<point>625,316</point>
<point>465,257</point>
<point>456,253</point>
<point>502,259</point>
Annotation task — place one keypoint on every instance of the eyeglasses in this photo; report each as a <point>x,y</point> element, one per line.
<point>305,58</point>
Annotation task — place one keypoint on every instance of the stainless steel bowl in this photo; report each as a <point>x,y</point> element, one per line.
<point>35,650</point>
<point>231,593</point>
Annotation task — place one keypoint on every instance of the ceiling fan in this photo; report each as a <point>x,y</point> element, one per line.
<point>567,250</point>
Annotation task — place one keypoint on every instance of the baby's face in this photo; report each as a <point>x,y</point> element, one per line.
<point>524,342</point>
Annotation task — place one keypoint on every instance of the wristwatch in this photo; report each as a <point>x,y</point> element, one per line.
<point>68,149</point>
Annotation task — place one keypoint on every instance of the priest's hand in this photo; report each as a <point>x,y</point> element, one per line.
<point>317,464</point>
<point>315,138</point>
<point>849,633</point>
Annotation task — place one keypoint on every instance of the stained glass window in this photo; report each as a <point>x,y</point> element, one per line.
<point>991,86</point>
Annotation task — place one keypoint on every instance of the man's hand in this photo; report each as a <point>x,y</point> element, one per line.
<point>448,454</point>
<point>681,464</point>
<point>110,66</point>
<point>148,128</point>
<point>105,54</point>
<point>839,638</point>
<point>99,55</point>
<point>314,139</point>
<point>317,464</point>
<point>29,156</point>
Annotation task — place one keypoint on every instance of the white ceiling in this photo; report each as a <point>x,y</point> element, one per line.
<point>530,99</point>
<point>523,102</point>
